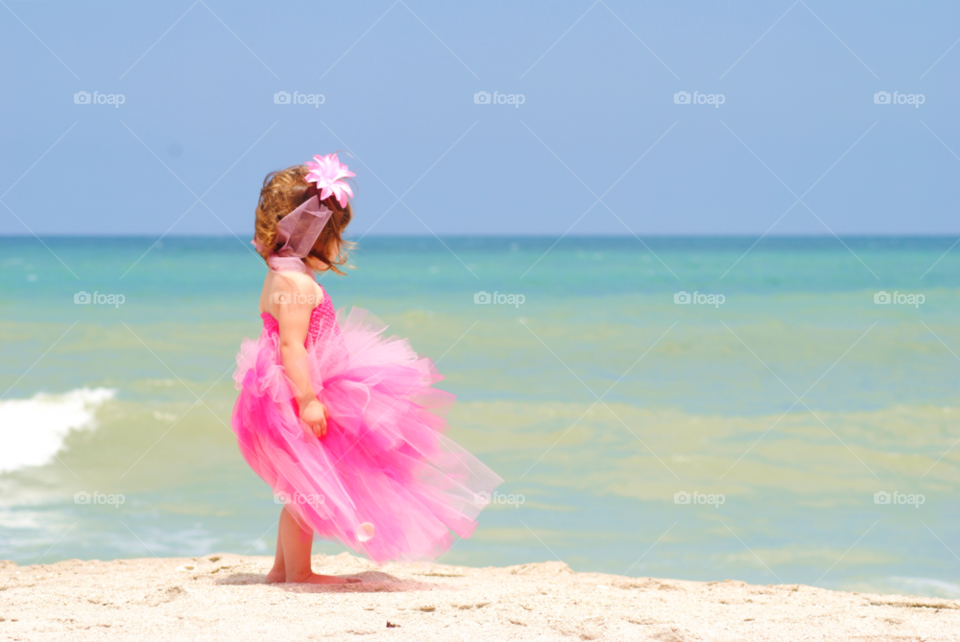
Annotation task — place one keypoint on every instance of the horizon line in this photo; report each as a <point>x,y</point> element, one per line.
<point>512,236</point>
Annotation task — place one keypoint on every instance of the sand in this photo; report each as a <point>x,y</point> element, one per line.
<point>223,597</point>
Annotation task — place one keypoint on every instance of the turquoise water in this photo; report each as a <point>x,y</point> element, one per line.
<point>695,398</point>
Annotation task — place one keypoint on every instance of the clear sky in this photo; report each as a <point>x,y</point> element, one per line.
<point>598,145</point>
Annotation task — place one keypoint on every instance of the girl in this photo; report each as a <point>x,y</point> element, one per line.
<point>336,418</point>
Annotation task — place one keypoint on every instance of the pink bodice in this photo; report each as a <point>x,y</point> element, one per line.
<point>323,321</point>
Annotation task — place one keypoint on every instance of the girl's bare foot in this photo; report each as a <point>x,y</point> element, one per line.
<point>314,578</point>
<point>276,576</point>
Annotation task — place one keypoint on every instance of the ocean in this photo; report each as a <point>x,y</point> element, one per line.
<point>782,411</point>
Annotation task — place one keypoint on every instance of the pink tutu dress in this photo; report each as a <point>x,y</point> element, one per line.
<point>384,480</point>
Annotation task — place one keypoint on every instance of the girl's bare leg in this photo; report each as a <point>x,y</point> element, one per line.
<point>296,545</point>
<point>278,574</point>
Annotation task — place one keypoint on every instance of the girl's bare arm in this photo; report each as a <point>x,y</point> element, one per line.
<point>293,316</point>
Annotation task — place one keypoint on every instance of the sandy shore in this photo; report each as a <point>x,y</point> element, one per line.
<point>223,597</point>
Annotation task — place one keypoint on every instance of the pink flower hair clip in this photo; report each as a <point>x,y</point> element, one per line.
<point>327,172</point>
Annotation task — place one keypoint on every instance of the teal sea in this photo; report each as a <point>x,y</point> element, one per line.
<point>801,431</point>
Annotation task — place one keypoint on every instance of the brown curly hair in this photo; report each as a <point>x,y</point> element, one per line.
<point>283,192</point>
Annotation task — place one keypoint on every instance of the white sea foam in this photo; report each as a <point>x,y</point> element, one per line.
<point>926,586</point>
<point>32,430</point>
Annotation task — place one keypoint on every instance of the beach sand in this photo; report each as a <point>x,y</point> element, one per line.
<point>223,597</point>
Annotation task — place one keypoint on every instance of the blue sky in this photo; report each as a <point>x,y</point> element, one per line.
<point>598,145</point>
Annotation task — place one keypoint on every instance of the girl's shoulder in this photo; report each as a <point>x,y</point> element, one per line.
<point>296,281</point>
<point>282,279</point>
<point>290,287</point>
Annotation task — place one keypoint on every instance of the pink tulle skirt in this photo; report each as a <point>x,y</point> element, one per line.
<point>384,480</point>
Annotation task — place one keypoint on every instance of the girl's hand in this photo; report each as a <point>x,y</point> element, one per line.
<point>315,414</point>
